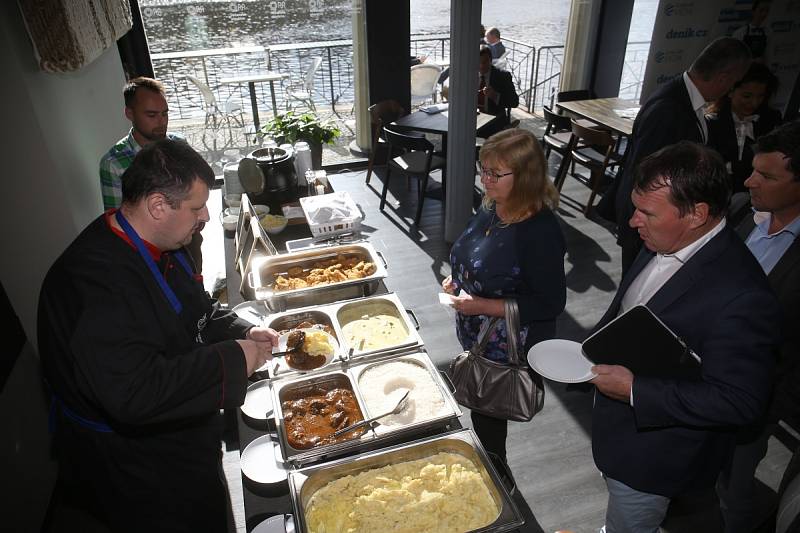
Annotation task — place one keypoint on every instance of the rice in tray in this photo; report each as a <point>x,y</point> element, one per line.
<point>383,384</point>
<point>441,493</point>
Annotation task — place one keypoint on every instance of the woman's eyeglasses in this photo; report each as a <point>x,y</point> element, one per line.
<point>490,174</point>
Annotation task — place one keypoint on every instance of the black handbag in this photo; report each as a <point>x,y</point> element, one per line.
<point>507,391</point>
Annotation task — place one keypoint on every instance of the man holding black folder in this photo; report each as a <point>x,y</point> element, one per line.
<point>657,437</point>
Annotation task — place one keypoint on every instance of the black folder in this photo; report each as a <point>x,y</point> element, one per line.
<point>639,341</point>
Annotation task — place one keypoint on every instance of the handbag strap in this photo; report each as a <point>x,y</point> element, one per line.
<point>512,331</point>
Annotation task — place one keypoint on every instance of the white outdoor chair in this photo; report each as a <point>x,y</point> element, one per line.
<point>304,92</point>
<point>216,114</point>
<point>424,81</point>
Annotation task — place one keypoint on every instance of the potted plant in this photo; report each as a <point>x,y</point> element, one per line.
<point>292,126</point>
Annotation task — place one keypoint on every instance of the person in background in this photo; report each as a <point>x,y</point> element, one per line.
<point>138,360</point>
<point>492,38</point>
<point>755,34</point>
<point>483,35</point>
<point>496,94</point>
<point>771,234</point>
<point>146,108</point>
<point>512,248</point>
<point>737,119</point>
<point>658,437</point>
<point>674,112</point>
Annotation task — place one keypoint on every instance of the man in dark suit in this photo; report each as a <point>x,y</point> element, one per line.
<point>658,437</point>
<point>496,94</point>
<point>775,194</point>
<point>673,113</point>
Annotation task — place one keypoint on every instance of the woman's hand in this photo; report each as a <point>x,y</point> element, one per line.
<point>475,305</point>
<point>448,286</point>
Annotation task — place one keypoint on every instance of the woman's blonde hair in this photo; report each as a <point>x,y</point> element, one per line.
<point>519,150</point>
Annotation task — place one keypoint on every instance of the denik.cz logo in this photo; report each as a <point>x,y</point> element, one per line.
<point>668,56</point>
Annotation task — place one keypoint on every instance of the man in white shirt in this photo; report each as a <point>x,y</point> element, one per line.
<point>655,438</point>
<point>674,112</point>
<point>771,235</point>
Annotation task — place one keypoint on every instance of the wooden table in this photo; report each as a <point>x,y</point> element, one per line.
<point>251,80</point>
<point>613,113</point>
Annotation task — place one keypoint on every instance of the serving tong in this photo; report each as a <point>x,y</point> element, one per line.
<point>397,408</point>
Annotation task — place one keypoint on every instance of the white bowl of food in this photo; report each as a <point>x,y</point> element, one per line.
<point>261,210</point>
<point>229,221</point>
<point>273,223</point>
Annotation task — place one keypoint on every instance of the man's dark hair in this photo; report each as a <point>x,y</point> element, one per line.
<point>722,55</point>
<point>786,140</point>
<point>693,174</point>
<point>149,84</point>
<point>485,50</point>
<point>167,167</point>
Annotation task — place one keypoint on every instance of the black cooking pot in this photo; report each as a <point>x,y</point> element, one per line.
<point>268,176</point>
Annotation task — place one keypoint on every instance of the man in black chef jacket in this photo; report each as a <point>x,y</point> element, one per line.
<point>140,361</point>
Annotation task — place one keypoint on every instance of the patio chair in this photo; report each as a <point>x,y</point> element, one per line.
<point>304,92</point>
<point>216,114</point>
<point>593,149</point>
<point>384,112</point>
<point>417,161</point>
<point>424,82</point>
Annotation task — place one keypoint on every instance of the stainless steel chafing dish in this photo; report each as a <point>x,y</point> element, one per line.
<point>450,410</point>
<point>258,312</point>
<point>305,482</point>
<point>283,389</point>
<point>266,269</point>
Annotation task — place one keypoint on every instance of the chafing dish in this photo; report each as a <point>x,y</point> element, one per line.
<point>294,388</point>
<point>305,482</point>
<point>258,312</point>
<point>266,269</point>
<point>387,432</point>
<point>388,304</point>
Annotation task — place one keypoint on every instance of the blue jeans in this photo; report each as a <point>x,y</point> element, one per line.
<point>633,511</point>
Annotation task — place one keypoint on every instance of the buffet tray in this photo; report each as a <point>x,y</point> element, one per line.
<point>264,270</point>
<point>379,435</point>
<point>304,482</point>
<point>258,312</point>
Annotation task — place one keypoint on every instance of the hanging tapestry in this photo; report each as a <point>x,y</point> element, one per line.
<point>70,34</point>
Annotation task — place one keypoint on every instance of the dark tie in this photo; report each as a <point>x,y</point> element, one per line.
<point>481,95</point>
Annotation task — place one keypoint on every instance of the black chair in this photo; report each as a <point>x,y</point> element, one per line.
<point>416,160</point>
<point>384,112</point>
<point>593,149</point>
<point>571,96</point>
<point>557,133</point>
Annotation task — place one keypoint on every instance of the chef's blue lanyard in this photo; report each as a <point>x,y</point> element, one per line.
<point>137,241</point>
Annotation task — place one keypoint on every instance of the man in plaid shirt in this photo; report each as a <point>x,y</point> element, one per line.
<point>146,107</point>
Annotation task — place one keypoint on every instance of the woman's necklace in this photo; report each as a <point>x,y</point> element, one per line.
<point>499,224</point>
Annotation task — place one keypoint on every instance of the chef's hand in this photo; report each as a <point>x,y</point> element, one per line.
<point>614,381</point>
<point>257,347</point>
<point>475,305</point>
<point>448,286</point>
<point>263,335</point>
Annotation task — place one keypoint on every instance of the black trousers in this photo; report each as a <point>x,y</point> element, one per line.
<point>492,433</point>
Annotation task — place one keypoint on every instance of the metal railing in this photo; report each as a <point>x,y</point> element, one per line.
<point>548,73</point>
<point>536,72</point>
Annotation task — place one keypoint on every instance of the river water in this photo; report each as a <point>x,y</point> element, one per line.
<point>180,25</point>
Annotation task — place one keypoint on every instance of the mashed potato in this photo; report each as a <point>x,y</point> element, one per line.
<point>440,493</point>
<point>317,343</point>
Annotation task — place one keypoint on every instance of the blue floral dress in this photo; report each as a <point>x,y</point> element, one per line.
<point>524,261</point>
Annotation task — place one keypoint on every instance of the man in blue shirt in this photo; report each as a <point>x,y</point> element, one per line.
<point>771,235</point>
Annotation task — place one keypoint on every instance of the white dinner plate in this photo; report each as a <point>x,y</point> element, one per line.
<point>560,360</point>
<point>279,364</point>
<point>276,524</point>
<point>258,401</point>
<point>259,462</point>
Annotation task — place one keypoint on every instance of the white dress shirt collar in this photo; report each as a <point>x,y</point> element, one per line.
<point>698,105</point>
